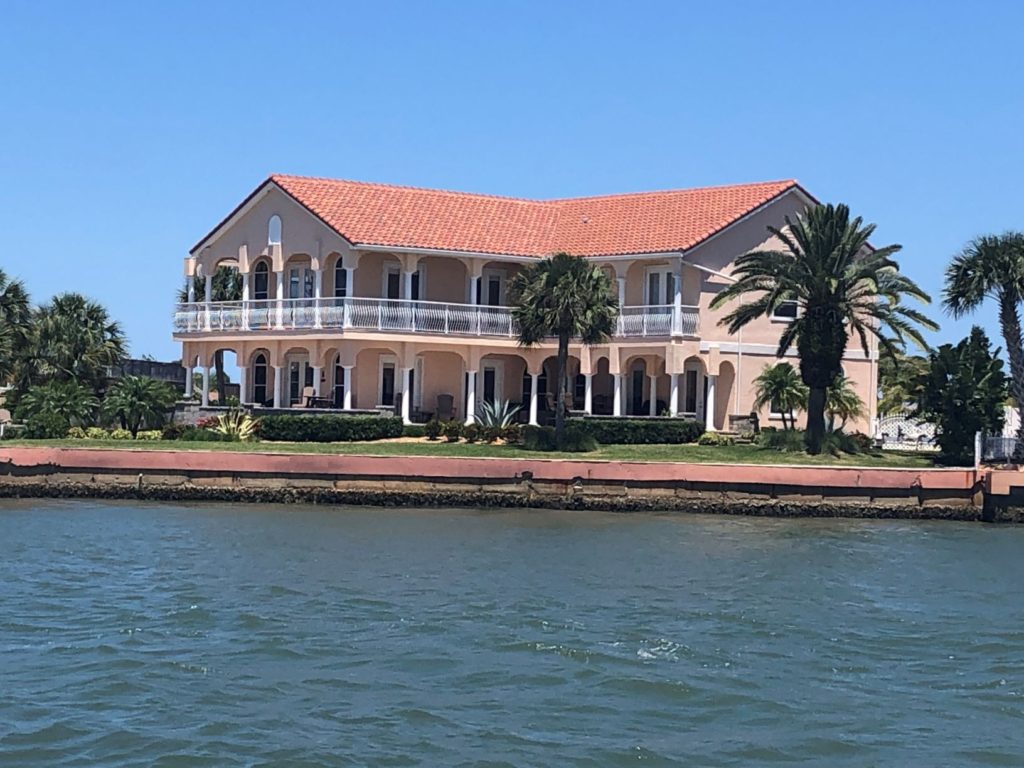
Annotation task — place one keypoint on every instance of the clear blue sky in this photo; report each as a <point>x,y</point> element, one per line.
<point>129,129</point>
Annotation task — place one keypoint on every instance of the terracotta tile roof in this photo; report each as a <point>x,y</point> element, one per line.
<point>646,222</point>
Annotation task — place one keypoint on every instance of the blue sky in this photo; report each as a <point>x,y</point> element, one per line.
<point>128,130</point>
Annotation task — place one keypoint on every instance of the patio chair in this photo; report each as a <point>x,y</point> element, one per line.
<point>445,407</point>
<point>307,397</point>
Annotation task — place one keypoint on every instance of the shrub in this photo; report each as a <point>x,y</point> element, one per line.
<point>207,422</point>
<point>577,439</point>
<point>452,430</point>
<point>491,432</point>
<point>171,431</point>
<point>785,440</point>
<point>149,434</point>
<point>642,431</point>
<point>97,433</point>
<point>329,429</point>
<point>715,438</point>
<point>121,434</point>
<point>432,429</point>
<point>46,426</point>
<point>195,434</point>
<point>472,432</point>
<point>513,433</point>
<point>76,433</point>
<point>497,414</point>
<point>414,430</point>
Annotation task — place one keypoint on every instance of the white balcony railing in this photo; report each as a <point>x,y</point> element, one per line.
<point>429,317</point>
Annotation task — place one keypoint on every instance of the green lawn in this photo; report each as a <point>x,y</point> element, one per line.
<point>732,454</point>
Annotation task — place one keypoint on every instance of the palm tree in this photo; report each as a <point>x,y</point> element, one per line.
<point>779,387</point>
<point>569,298</point>
<point>842,403</point>
<point>138,400</point>
<point>71,339</point>
<point>15,316</point>
<point>992,266</point>
<point>841,287</point>
<point>71,401</point>
<point>898,381</point>
<point>227,286</point>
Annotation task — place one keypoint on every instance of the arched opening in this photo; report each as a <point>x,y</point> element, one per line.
<point>604,389</point>
<point>261,394</point>
<point>261,281</point>
<point>274,230</point>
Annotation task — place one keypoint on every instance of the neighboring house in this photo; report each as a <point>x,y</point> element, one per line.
<point>355,293</point>
<point>172,373</point>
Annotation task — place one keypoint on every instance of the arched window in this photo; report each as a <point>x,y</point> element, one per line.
<point>261,281</point>
<point>340,280</point>
<point>259,379</point>
<point>274,230</point>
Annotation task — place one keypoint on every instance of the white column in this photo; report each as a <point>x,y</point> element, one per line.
<point>243,380</point>
<point>246,293</point>
<point>617,397</point>
<point>534,397</point>
<point>588,394</point>
<point>474,287</point>
<point>350,281</point>
<point>280,299</point>
<point>279,386</point>
<point>191,288</point>
<point>189,383</point>
<point>471,397</point>
<point>406,395</point>
<point>622,291</point>
<point>673,398</point>
<point>677,299</point>
<point>208,291</point>
<point>317,370</point>
<point>318,292</point>
<point>206,385</point>
<point>652,399</point>
<point>347,382</point>
<point>709,405</point>
<point>407,283</point>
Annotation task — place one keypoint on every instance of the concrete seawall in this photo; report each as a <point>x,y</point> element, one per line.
<point>434,481</point>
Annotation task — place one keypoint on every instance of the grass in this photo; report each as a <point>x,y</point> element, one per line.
<point>723,454</point>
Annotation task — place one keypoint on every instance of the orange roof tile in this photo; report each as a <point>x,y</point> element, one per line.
<point>646,222</point>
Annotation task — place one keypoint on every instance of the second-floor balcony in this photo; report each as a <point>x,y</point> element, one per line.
<point>403,316</point>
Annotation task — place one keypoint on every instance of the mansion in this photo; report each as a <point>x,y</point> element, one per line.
<point>360,297</point>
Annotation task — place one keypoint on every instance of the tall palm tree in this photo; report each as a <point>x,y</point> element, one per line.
<point>842,403</point>
<point>841,287</point>
<point>779,387</point>
<point>992,266</point>
<point>15,317</point>
<point>72,338</point>
<point>569,298</point>
<point>227,286</point>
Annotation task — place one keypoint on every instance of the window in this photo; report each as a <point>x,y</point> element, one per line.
<point>690,400</point>
<point>261,282</point>
<point>661,287</point>
<point>274,230</point>
<point>300,283</point>
<point>579,390</point>
<point>637,393</point>
<point>787,310</point>
<point>393,278</point>
<point>259,380</point>
<point>387,383</point>
<point>340,280</point>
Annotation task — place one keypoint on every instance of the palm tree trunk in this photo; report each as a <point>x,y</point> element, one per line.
<point>815,436</point>
<point>222,385</point>
<point>563,360</point>
<point>1009,319</point>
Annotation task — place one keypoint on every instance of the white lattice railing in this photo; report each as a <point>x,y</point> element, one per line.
<point>429,317</point>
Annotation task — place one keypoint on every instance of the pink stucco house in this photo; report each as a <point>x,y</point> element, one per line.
<point>356,293</point>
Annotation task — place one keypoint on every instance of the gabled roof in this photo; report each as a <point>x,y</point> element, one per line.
<point>412,217</point>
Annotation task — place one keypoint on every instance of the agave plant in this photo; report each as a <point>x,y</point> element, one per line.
<point>237,426</point>
<point>497,414</point>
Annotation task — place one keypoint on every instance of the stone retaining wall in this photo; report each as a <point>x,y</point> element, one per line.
<point>485,482</point>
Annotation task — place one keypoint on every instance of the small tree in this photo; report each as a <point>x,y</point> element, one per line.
<point>566,297</point>
<point>963,393</point>
<point>842,403</point>
<point>780,388</point>
<point>897,377</point>
<point>70,401</point>
<point>137,400</point>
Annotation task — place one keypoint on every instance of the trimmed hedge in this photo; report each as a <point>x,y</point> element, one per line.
<point>329,429</point>
<point>642,431</point>
<point>577,439</point>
